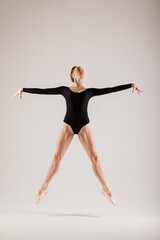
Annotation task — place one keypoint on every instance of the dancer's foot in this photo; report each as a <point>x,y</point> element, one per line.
<point>107,190</point>
<point>107,193</point>
<point>42,191</point>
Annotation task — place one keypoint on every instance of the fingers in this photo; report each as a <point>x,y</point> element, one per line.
<point>137,89</point>
<point>18,93</point>
<point>15,95</point>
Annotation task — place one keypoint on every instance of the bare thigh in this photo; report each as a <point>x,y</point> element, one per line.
<point>87,140</point>
<point>63,141</point>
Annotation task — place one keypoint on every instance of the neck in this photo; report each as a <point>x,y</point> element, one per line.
<point>77,84</point>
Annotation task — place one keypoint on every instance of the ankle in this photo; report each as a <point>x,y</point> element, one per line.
<point>44,186</point>
<point>105,186</point>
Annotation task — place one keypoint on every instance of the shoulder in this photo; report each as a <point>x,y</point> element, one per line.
<point>62,87</point>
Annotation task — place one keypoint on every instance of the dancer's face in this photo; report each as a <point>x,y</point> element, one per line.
<point>78,74</point>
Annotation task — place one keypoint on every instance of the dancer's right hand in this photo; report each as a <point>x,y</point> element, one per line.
<point>18,93</point>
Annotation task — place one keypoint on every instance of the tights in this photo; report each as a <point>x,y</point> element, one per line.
<point>76,115</point>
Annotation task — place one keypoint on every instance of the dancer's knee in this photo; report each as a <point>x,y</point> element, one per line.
<point>94,158</point>
<point>57,158</point>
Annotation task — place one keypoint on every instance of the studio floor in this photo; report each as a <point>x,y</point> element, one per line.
<point>29,223</point>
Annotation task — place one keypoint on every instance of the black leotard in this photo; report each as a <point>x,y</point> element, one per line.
<point>76,114</point>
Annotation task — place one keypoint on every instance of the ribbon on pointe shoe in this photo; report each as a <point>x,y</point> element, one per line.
<point>105,193</point>
<point>39,197</point>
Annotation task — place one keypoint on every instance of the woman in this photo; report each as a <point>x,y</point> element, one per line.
<point>76,121</point>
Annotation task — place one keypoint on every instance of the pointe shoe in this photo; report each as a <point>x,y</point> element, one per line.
<point>109,197</point>
<point>40,196</point>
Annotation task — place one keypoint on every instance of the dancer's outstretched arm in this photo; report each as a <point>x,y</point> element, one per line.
<point>56,90</point>
<point>106,90</point>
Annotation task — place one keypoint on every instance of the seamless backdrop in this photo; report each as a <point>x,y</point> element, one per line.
<point>116,42</point>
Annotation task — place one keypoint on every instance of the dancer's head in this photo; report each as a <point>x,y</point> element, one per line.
<point>77,74</point>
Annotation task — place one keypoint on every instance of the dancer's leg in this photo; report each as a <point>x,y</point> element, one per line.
<point>62,143</point>
<point>87,140</point>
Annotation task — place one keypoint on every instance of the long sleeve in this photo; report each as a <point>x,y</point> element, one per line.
<point>56,90</point>
<point>100,91</point>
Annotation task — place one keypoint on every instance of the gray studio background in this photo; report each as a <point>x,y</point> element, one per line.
<point>116,42</point>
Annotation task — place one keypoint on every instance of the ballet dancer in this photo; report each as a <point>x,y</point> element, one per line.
<point>76,121</point>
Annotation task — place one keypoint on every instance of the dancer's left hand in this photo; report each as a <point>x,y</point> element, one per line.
<point>136,88</point>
